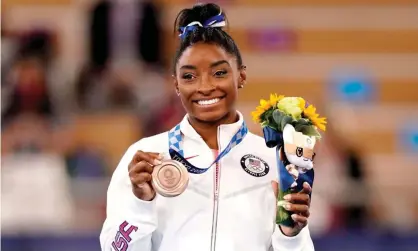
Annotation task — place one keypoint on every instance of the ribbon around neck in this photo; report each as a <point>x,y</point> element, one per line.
<point>175,146</point>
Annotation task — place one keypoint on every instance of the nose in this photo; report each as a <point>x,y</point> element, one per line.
<point>206,87</point>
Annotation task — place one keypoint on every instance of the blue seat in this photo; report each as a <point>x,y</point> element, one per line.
<point>352,88</point>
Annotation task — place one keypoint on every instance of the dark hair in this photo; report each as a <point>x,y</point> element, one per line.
<point>215,35</point>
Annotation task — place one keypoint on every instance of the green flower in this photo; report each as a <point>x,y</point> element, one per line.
<point>291,106</point>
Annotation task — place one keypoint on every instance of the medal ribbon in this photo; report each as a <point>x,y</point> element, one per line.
<point>175,140</point>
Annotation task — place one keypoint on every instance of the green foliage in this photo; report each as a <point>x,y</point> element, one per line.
<point>268,119</point>
<point>277,120</point>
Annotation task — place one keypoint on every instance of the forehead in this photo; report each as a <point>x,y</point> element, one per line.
<point>202,54</point>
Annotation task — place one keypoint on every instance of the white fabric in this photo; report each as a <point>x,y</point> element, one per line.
<point>246,207</point>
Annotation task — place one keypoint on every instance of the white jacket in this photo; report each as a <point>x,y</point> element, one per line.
<point>230,207</point>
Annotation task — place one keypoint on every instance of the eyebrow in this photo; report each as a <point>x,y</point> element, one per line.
<point>219,63</point>
<point>192,67</point>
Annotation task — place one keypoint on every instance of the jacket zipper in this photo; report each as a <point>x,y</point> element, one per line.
<point>217,179</point>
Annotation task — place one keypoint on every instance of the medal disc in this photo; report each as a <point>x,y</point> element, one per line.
<point>170,178</point>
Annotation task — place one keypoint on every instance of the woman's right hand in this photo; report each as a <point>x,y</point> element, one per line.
<point>140,173</point>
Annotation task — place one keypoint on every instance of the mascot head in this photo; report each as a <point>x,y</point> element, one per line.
<point>298,148</point>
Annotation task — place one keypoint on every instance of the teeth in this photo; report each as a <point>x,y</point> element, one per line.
<point>208,102</point>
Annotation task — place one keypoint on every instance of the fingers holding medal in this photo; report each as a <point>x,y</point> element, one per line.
<point>150,174</point>
<point>140,173</point>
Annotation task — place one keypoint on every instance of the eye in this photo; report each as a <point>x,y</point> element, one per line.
<point>220,73</point>
<point>299,151</point>
<point>187,76</point>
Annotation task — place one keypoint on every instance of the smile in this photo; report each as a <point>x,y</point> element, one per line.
<point>208,102</point>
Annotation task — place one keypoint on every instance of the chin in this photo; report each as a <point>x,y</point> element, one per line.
<point>212,116</point>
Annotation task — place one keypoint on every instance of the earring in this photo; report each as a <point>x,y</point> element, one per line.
<point>241,86</point>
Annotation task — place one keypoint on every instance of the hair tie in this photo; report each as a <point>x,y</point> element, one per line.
<point>215,21</point>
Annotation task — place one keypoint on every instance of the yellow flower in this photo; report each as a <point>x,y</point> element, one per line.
<point>274,99</point>
<point>263,107</point>
<point>258,112</point>
<point>256,115</point>
<point>310,113</point>
<point>291,106</point>
<point>302,103</point>
<point>265,104</point>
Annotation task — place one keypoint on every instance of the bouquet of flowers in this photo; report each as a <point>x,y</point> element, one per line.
<point>291,125</point>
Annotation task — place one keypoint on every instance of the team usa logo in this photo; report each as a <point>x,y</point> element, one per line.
<point>123,237</point>
<point>254,165</point>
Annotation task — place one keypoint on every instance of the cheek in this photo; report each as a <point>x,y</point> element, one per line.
<point>232,92</point>
<point>228,84</point>
<point>185,99</point>
<point>185,91</point>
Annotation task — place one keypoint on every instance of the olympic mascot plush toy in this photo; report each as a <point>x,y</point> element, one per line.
<point>290,125</point>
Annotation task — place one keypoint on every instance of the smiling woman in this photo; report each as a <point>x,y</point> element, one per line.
<point>207,75</point>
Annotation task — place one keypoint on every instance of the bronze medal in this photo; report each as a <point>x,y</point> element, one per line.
<point>170,178</point>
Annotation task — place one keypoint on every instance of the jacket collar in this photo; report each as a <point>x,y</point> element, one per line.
<point>227,131</point>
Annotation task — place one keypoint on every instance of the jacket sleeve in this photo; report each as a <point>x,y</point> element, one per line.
<point>300,242</point>
<point>130,221</point>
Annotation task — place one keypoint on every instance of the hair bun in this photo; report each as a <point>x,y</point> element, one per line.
<point>200,13</point>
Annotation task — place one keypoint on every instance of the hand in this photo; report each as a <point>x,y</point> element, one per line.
<point>140,170</point>
<point>298,204</point>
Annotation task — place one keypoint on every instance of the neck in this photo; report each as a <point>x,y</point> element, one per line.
<point>209,130</point>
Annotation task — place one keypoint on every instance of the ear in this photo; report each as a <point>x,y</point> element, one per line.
<point>288,132</point>
<point>176,84</point>
<point>313,142</point>
<point>242,80</point>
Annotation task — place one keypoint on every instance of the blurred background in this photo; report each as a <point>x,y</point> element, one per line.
<point>81,80</point>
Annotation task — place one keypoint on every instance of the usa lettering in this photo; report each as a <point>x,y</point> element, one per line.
<point>123,236</point>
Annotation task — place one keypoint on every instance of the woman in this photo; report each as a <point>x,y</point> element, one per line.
<point>232,205</point>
